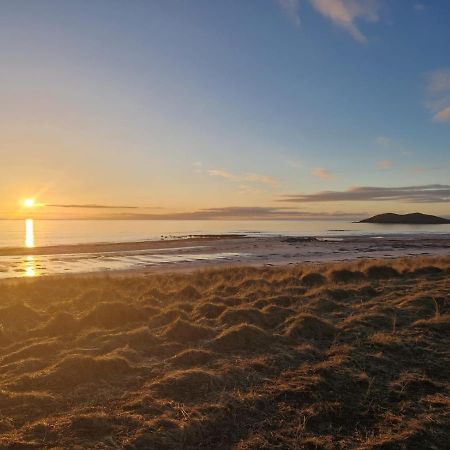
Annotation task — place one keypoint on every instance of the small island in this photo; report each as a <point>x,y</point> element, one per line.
<point>406,219</point>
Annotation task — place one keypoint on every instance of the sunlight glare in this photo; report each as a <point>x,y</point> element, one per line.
<point>29,202</point>
<point>29,233</point>
<point>30,267</point>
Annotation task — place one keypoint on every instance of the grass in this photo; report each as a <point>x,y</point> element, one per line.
<point>349,355</point>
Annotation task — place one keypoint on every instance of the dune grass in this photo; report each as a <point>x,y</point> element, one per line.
<point>348,355</point>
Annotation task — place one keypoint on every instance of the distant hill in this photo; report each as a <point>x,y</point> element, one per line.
<point>413,219</point>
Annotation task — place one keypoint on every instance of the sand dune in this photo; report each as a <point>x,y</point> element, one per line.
<point>349,355</point>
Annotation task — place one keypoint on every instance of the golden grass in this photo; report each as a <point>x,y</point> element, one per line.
<point>348,355</point>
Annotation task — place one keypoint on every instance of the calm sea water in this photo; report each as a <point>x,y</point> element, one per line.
<point>17,233</point>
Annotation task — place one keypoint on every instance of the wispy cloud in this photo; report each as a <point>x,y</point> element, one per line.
<point>439,81</point>
<point>345,13</point>
<point>419,169</point>
<point>419,7</point>
<point>385,164</point>
<point>426,169</point>
<point>432,193</point>
<point>91,206</point>
<point>198,166</point>
<point>238,213</point>
<point>323,174</point>
<point>291,9</point>
<point>384,141</point>
<point>249,177</point>
<point>438,91</point>
<point>222,174</point>
<point>442,116</point>
<point>263,179</point>
<point>295,163</point>
<point>249,190</point>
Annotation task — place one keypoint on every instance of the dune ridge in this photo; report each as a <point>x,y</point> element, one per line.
<point>342,355</point>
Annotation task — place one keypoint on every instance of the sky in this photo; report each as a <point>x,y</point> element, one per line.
<point>226,109</point>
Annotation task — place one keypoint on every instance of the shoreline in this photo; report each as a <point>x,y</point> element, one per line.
<point>189,254</point>
<point>104,247</point>
<point>193,241</point>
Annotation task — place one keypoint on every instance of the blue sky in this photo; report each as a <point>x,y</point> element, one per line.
<point>180,106</point>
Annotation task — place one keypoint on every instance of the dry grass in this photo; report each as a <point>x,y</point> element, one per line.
<point>351,355</point>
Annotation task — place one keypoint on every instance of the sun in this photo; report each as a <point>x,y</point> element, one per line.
<point>29,202</point>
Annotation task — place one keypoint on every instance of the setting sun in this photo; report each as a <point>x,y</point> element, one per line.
<point>29,203</point>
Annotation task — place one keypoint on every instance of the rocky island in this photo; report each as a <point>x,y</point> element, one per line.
<point>409,219</point>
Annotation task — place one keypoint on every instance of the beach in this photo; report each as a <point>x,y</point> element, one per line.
<point>317,355</point>
<point>195,252</point>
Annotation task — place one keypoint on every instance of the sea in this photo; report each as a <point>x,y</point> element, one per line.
<point>32,233</point>
<point>38,233</point>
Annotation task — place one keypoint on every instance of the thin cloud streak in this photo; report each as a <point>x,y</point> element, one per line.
<point>385,164</point>
<point>91,206</point>
<point>432,193</point>
<point>384,141</point>
<point>263,179</point>
<point>238,213</point>
<point>322,173</point>
<point>250,176</point>
<point>221,173</point>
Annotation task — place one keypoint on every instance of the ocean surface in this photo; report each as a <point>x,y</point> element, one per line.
<point>37,233</point>
<point>40,233</point>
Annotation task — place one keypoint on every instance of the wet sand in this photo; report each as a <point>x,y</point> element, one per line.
<point>205,251</point>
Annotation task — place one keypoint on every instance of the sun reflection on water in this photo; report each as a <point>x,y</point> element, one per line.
<point>29,233</point>
<point>29,264</point>
<point>30,267</point>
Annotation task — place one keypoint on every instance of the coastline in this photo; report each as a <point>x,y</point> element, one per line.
<point>192,253</point>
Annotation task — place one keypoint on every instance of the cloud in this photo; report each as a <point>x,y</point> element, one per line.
<point>383,140</point>
<point>424,169</point>
<point>238,213</point>
<point>419,169</point>
<point>438,93</point>
<point>385,164</point>
<point>431,193</point>
<point>322,173</point>
<point>438,81</point>
<point>249,176</point>
<point>221,173</point>
<point>91,206</point>
<point>295,163</point>
<point>419,7</point>
<point>198,166</point>
<point>291,9</point>
<point>442,116</point>
<point>263,179</point>
<point>249,190</point>
<point>344,13</point>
